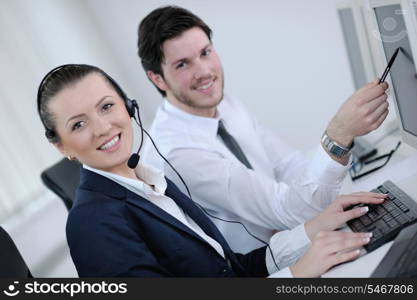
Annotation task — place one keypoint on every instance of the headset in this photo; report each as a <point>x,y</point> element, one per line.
<point>131,107</point>
<point>130,104</point>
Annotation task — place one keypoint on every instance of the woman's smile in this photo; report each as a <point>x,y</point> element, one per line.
<point>111,145</point>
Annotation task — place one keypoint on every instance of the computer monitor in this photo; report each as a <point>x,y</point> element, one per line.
<point>393,28</point>
<point>356,39</point>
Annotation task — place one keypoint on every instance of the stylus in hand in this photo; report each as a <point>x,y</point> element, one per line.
<point>388,68</point>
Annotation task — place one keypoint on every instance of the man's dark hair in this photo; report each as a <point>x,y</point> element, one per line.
<point>162,24</point>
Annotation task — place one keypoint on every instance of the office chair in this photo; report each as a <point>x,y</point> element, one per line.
<point>63,178</point>
<point>11,261</point>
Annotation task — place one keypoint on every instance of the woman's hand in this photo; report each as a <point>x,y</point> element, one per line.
<point>335,215</point>
<point>329,249</point>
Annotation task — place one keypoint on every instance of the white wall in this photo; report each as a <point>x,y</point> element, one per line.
<point>285,59</point>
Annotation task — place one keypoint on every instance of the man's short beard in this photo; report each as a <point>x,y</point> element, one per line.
<point>190,103</point>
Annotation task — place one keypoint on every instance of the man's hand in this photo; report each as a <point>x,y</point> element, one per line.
<point>362,113</point>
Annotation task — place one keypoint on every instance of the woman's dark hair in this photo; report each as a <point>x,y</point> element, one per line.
<point>162,24</point>
<point>55,81</point>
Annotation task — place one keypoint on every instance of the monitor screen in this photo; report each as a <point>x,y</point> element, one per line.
<point>393,34</point>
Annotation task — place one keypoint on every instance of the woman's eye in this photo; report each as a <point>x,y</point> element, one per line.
<point>107,106</point>
<point>77,125</point>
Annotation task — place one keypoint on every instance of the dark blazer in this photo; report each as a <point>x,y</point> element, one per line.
<point>113,232</point>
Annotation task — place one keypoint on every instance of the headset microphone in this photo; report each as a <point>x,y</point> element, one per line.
<point>133,161</point>
<point>134,158</point>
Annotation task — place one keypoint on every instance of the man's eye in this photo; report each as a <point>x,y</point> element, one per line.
<point>107,106</point>
<point>77,125</point>
<point>180,65</point>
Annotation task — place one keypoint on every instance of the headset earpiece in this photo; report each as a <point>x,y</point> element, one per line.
<point>130,107</point>
<point>50,134</point>
<point>130,104</point>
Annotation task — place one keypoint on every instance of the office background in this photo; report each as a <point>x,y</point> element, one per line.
<point>285,59</point>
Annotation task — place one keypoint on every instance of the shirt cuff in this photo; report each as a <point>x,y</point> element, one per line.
<point>326,170</point>
<point>284,273</point>
<point>287,246</point>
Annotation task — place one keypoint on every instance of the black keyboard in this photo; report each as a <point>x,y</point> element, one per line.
<point>401,259</point>
<point>386,220</point>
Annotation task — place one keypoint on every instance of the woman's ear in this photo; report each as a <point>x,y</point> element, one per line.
<point>64,151</point>
<point>61,148</point>
<point>157,80</point>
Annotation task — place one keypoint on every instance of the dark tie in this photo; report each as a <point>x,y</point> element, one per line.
<point>233,146</point>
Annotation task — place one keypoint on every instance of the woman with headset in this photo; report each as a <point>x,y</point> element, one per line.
<point>132,221</point>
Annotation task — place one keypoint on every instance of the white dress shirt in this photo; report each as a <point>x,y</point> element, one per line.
<point>281,192</point>
<point>152,185</point>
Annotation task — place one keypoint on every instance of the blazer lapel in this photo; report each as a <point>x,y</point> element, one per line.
<point>202,220</point>
<point>96,182</point>
<point>196,213</point>
<point>160,214</point>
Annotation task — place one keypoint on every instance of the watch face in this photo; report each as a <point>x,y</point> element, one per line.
<point>339,152</point>
<point>332,147</point>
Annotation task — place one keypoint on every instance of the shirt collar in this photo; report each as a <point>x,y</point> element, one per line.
<point>197,124</point>
<point>149,176</point>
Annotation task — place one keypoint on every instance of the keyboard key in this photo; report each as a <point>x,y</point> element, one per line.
<point>401,219</point>
<point>373,215</point>
<point>357,226</point>
<point>385,228</point>
<point>389,206</point>
<point>382,226</point>
<point>404,208</point>
<point>397,202</point>
<point>387,218</point>
<point>380,210</point>
<point>383,189</point>
<point>392,223</point>
<point>396,213</point>
<point>377,233</point>
<point>365,220</point>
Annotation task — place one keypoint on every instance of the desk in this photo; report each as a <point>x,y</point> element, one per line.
<point>405,159</point>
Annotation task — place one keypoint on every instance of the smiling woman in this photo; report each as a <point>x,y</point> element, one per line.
<point>85,117</point>
<point>93,125</point>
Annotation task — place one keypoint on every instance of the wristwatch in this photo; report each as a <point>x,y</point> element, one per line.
<point>333,147</point>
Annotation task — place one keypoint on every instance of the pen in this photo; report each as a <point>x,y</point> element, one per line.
<point>388,68</point>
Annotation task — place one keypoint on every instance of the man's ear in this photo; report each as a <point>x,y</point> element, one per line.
<point>157,80</point>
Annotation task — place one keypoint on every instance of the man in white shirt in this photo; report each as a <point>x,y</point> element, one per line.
<point>236,168</point>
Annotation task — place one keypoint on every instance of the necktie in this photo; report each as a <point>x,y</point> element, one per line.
<point>232,145</point>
